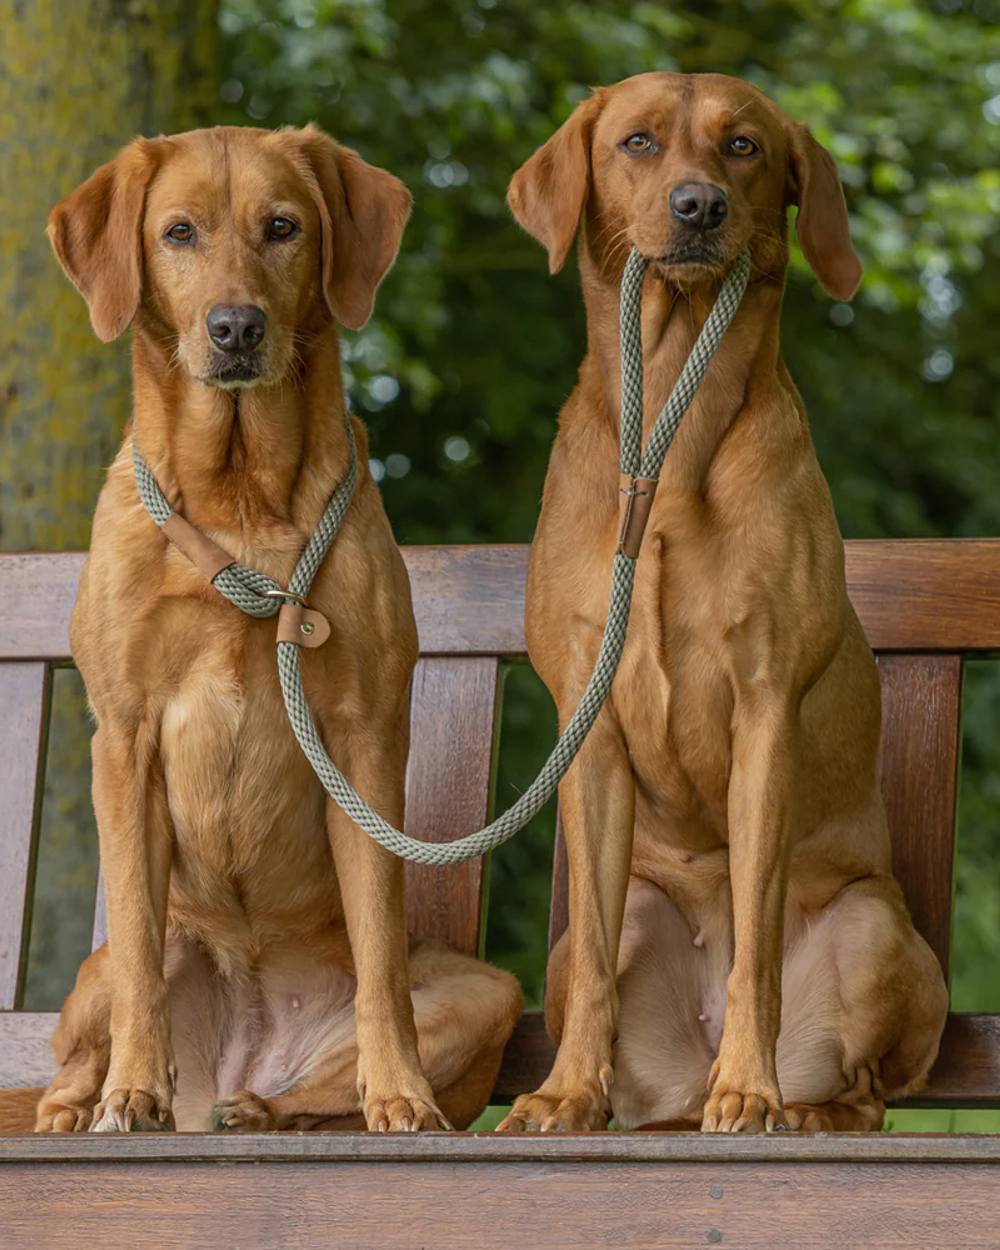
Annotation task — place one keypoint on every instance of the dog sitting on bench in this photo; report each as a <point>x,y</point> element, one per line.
<point>739,956</point>
<point>258,973</point>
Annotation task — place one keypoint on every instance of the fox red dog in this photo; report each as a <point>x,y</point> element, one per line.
<point>258,973</point>
<point>738,956</point>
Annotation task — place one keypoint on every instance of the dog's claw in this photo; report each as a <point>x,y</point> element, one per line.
<point>414,1114</point>
<point>132,1111</point>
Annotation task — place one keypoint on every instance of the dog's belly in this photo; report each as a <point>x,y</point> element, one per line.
<point>264,1029</point>
<point>251,863</point>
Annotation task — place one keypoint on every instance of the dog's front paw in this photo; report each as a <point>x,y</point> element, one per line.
<point>741,1106</point>
<point>404,1113</point>
<point>245,1112</point>
<point>132,1111</point>
<point>561,1110</point>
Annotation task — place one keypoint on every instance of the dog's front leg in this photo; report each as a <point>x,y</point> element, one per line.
<point>136,847</point>
<point>395,1095</point>
<point>597,804</point>
<point>743,1084</point>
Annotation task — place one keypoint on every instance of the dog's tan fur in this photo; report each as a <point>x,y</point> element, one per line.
<point>724,817</point>
<point>257,938</point>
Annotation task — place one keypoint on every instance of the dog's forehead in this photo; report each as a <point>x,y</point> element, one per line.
<point>226,170</point>
<point>667,99</point>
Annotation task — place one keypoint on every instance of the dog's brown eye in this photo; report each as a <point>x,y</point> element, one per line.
<point>182,232</point>
<point>742,146</point>
<point>281,228</point>
<point>638,143</point>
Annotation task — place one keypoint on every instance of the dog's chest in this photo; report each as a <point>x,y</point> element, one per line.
<point>674,698</point>
<point>242,799</point>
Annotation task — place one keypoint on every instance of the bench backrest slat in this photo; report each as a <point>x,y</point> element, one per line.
<point>921,703</point>
<point>453,713</point>
<point>24,704</point>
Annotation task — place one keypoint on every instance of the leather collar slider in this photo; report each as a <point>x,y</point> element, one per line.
<point>636,504</point>
<point>305,627</point>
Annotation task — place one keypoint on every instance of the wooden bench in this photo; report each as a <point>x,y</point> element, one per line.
<point>925,606</point>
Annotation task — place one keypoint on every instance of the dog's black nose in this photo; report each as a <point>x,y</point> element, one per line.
<point>699,204</point>
<point>236,329</point>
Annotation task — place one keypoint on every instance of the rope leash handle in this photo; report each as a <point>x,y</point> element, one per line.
<point>258,595</point>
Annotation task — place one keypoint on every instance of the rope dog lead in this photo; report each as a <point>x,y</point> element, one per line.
<point>261,596</point>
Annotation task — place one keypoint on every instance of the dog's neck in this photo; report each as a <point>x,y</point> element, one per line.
<point>746,365</point>
<point>243,460</point>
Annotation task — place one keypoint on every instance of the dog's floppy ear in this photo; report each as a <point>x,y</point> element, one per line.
<point>97,235</point>
<point>548,193</point>
<point>363,211</point>
<point>822,225</point>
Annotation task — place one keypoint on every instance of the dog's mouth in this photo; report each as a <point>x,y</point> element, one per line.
<point>689,258</point>
<point>244,369</point>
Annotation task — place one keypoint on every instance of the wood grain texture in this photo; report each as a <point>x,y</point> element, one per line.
<point>466,1148</point>
<point>927,594</point>
<point>453,714</point>
<point>401,1205</point>
<point>38,598</point>
<point>26,1048</point>
<point>921,726</point>
<point>24,700</point>
<point>468,600</point>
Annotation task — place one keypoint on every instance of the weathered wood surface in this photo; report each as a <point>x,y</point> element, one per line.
<point>24,700</point>
<point>921,731</point>
<point>452,1193</point>
<point>453,713</point>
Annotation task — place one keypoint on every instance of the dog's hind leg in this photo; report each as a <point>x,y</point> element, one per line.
<point>464,1013</point>
<point>82,1045</point>
<point>864,1006</point>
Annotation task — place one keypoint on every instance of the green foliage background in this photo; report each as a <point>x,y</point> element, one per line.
<point>474,348</point>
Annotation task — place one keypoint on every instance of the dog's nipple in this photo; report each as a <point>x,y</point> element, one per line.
<point>704,1017</point>
<point>699,938</point>
<point>295,1004</point>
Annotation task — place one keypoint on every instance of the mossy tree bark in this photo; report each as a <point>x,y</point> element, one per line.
<point>77,81</point>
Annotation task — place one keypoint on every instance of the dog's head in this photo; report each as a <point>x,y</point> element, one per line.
<point>689,169</point>
<point>234,245</point>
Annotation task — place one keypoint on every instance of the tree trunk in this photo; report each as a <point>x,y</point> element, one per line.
<point>77,81</point>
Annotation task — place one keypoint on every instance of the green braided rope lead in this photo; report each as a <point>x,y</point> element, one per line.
<point>248,589</point>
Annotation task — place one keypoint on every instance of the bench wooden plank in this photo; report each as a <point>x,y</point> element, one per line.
<point>967,1072</point>
<point>604,1203</point>
<point>453,713</point>
<point>24,698</point>
<point>927,594</point>
<point>921,724</point>
<point>471,1148</point>
<point>911,595</point>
